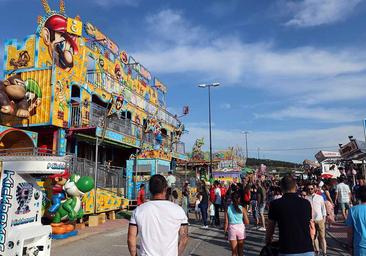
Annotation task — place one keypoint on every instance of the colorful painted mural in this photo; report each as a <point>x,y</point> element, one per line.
<point>76,54</point>
<point>106,201</point>
<point>72,84</point>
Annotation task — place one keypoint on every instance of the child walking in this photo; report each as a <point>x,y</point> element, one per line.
<point>236,218</point>
<point>212,214</point>
<point>197,210</point>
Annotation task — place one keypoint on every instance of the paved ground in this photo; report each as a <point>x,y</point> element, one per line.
<point>202,242</point>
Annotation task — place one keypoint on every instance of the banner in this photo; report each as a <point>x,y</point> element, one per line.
<point>160,86</point>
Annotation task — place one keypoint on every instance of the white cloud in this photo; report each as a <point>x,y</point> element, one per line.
<point>232,60</point>
<point>170,27</point>
<point>225,106</point>
<point>112,3</point>
<point>272,142</point>
<point>308,13</point>
<point>306,75</point>
<point>309,74</point>
<point>337,115</point>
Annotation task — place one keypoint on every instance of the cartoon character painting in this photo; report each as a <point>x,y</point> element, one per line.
<point>154,126</point>
<point>117,107</point>
<point>19,97</point>
<point>13,96</point>
<point>60,96</point>
<point>33,95</point>
<point>24,195</point>
<point>118,72</point>
<point>62,46</point>
<point>101,73</point>
<point>23,60</point>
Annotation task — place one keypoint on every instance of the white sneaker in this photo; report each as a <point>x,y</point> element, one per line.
<point>261,229</point>
<point>205,227</point>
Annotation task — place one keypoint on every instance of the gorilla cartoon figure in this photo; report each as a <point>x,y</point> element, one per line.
<point>13,90</point>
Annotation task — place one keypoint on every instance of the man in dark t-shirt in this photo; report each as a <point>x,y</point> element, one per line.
<point>293,216</point>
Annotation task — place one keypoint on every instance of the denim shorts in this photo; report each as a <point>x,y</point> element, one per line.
<point>344,206</point>
<point>261,208</point>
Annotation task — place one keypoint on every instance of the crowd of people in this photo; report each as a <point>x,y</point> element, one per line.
<point>302,210</point>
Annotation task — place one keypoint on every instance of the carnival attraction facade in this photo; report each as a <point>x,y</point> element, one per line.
<point>71,84</point>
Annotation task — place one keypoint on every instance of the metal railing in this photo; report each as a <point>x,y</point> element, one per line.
<point>111,178</point>
<point>179,147</point>
<point>122,126</point>
<point>112,85</point>
<point>76,116</point>
<point>28,152</point>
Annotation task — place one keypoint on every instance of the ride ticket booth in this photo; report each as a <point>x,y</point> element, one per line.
<point>145,168</point>
<point>21,230</point>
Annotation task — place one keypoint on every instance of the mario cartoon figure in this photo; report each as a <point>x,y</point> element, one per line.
<point>118,72</point>
<point>61,45</point>
<point>58,193</point>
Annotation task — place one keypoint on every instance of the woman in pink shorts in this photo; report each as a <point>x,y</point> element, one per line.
<point>235,218</point>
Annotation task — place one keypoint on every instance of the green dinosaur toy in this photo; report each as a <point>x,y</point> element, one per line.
<point>74,188</point>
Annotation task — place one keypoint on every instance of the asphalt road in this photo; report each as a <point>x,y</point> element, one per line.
<point>202,243</point>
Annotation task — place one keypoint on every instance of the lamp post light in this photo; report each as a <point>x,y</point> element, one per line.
<point>209,119</point>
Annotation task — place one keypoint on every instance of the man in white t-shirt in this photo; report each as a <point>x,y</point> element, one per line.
<point>217,202</point>
<point>161,224</point>
<point>343,197</point>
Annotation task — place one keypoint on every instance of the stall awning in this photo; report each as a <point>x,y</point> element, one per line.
<point>354,150</point>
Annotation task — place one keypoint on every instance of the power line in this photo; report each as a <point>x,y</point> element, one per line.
<point>294,149</point>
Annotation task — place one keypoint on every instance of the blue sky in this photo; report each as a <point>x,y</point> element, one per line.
<point>293,73</point>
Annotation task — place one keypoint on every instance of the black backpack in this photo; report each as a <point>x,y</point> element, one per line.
<point>270,250</point>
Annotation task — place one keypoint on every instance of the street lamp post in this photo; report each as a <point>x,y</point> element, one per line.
<point>246,145</point>
<point>209,119</point>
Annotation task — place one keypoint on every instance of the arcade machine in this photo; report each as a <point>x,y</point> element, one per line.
<point>21,230</point>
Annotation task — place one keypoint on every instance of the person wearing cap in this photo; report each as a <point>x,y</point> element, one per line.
<point>61,45</point>
<point>58,193</point>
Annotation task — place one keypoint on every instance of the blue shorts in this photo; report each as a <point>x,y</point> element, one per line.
<point>344,206</point>
<point>261,208</point>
